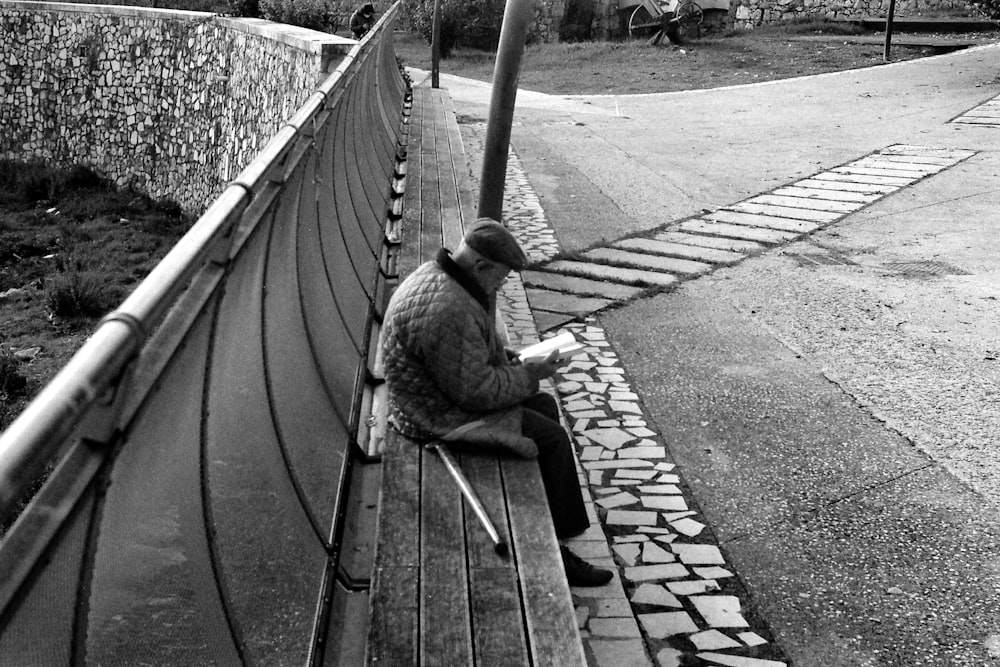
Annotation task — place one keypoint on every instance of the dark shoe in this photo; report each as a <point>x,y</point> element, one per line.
<point>581,573</point>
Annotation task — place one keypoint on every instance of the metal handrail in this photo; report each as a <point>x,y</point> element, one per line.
<point>42,429</point>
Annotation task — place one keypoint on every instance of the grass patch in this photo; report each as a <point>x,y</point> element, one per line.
<point>72,246</point>
<point>628,67</point>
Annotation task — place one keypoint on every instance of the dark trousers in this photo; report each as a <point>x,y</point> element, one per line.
<point>557,465</point>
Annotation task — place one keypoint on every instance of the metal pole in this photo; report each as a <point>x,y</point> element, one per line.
<point>517,14</point>
<point>436,44</point>
<point>888,29</point>
<point>499,546</point>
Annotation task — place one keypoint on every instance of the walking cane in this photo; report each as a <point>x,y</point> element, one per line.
<point>499,546</point>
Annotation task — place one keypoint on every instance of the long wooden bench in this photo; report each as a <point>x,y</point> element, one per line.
<point>440,593</point>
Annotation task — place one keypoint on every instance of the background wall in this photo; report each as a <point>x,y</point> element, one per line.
<point>173,103</point>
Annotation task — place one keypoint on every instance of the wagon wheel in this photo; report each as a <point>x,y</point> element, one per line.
<point>640,22</point>
<point>689,17</point>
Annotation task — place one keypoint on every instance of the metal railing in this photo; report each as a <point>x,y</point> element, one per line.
<point>202,441</point>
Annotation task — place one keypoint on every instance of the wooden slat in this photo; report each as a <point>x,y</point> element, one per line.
<point>399,504</point>
<point>460,166</point>
<point>430,193</point>
<point>393,633</point>
<point>548,605</point>
<point>409,250</point>
<point>445,625</point>
<point>496,617</point>
<point>447,143</point>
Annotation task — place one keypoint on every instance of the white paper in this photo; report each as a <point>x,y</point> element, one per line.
<point>565,343</point>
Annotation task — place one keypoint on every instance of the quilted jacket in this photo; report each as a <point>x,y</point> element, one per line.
<point>444,363</point>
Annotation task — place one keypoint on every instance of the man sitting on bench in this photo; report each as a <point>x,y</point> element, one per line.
<point>446,368</point>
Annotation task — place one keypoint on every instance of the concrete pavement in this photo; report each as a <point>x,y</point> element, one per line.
<point>830,402</point>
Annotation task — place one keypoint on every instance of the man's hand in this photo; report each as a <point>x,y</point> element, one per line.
<point>545,368</point>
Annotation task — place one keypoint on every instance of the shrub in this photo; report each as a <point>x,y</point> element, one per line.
<point>79,294</point>
<point>472,23</point>
<point>12,382</point>
<point>990,8</point>
<point>312,14</point>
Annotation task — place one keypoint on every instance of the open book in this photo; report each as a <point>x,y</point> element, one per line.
<point>565,343</point>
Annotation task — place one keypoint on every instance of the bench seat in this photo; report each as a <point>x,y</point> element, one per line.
<point>440,594</point>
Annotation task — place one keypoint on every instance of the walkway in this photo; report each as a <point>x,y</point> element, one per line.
<point>677,590</point>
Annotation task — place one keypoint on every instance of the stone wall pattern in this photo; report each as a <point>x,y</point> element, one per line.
<point>170,103</point>
<point>607,22</point>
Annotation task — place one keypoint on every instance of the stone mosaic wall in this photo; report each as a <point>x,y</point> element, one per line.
<point>607,23</point>
<point>748,13</point>
<point>172,103</point>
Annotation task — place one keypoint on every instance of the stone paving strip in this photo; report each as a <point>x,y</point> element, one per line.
<point>987,114</point>
<point>659,260</point>
<point>674,599</point>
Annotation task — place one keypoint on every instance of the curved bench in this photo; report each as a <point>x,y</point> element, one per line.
<point>213,433</point>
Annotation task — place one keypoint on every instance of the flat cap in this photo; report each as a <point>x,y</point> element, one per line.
<point>495,242</point>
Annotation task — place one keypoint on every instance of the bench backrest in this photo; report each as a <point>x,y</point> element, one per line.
<point>204,435</point>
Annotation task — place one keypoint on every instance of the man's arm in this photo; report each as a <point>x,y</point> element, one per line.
<point>456,354</point>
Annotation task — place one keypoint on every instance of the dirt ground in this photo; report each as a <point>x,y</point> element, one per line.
<point>27,323</point>
<point>629,67</point>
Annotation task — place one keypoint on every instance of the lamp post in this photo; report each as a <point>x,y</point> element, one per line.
<point>516,16</point>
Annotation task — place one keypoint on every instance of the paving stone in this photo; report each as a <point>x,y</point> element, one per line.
<point>625,406</point>
<point>696,587</point>
<point>840,185</point>
<point>688,527</point>
<point>547,321</point>
<point>913,172</point>
<point>787,212</point>
<point>616,464</point>
<point>712,572</point>
<point>612,438</point>
<point>833,195</point>
<point>582,615</point>
<point>635,474</point>
<point>660,488</point>
<point>667,624</point>
<point>760,235</point>
<point>720,611</point>
<point>733,245</point>
<point>632,539</point>
<point>670,657</point>
<point>751,638</point>
<point>656,595</point>
<point>560,302</point>
<point>681,250</point>
<point>858,176</point>
<point>642,452</point>
<point>618,500</point>
<point>634,277</point>
<point>613,627</point>
<point>618,653</point>
<point>651,572</point>
<point>757,220</point>
<point>611,608</point>
<point>629,553</point>
<point>713,640</point>
<point>653,553</point>
<point>684,267</point>
<point>698,554</point>
<point>631,518</point>
<point>738,661</point>
<point>805,203</point>
<point>665,503</point>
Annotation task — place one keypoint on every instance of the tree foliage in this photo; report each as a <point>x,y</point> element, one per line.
<point>991,8</point>
<point>471,23</point>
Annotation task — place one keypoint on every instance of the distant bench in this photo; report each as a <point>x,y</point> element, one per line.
<point>439,592</point>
